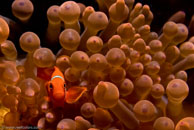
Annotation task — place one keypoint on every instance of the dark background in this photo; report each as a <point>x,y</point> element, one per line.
<point>162,10</point>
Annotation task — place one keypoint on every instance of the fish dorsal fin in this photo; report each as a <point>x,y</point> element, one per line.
<point>74,93</point>
<point>45,73</point>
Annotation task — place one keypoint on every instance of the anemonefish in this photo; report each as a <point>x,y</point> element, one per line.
<point>57,90</point>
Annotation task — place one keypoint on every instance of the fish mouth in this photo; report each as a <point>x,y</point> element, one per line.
<point>58,96</point>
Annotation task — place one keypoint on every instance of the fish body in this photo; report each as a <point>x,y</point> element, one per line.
<point>57,90</point>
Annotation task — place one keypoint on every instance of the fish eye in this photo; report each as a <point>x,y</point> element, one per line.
<point>64,85</point>
<point>51,86</point>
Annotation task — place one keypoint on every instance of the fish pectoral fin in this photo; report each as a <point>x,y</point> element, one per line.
<point>46,98</point>
<point>74,93</point>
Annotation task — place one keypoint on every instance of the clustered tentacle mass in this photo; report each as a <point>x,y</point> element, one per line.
<point>135,78</point>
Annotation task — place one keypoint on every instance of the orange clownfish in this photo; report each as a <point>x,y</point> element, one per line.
<point>57,91</point>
